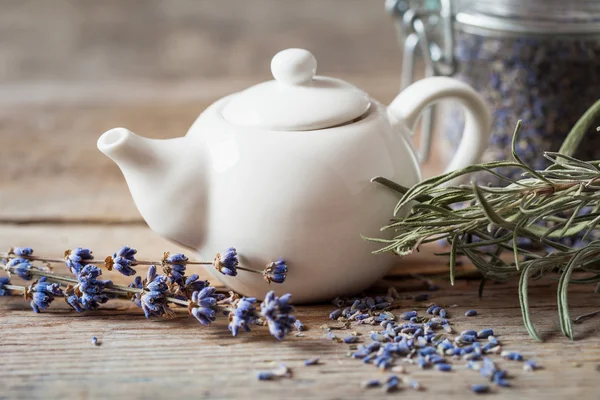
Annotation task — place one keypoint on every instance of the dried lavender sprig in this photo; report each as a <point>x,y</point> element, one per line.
<point>109,261</point>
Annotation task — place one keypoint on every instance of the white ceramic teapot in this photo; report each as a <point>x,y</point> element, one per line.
<point>283,169</point>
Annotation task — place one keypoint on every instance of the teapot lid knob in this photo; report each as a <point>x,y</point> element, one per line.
<point>294,66</point>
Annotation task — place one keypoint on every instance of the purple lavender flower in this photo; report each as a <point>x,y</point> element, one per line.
<point>76,259</point>
<point>194,284</point>
<point>243,315</point>
<point>4,280</point>
<point>21,267</point>
<point>42,294</point>
<point>88,294</point>
<point>154,302</point>
<point>205,304</point>
<point>275,272</point>
<point>276,311</point>
<point>176,270</point>
<point>137,284</point>
<point>22,251</point>
<point>124,259</point>
<point>227,262</point>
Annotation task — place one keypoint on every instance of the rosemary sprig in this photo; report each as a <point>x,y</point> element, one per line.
<point>556,209</point>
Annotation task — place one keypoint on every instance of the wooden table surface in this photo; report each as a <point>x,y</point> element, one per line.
<point>71,70</point>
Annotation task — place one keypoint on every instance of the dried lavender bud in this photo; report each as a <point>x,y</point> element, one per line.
<point>20,267</point>
<point>512,355</point>
<point>470,332</point>
<point>470,313</point>
<point>42,294</point>
<point>422,297</point>
<point>227,262</point>
<point>95,341</point>
<point>436,310</point>
<point>265,376</point>
<point>443,367</point>
<point>480,388</point>
<point>277,311</point>
<point>415,385</point>
<point>194,284</point>
<point>176,269</point>
<point>485,333</point>
<point>443,313</point>
<point>371,383</point>
<point>124,259</point>
<point>351,339</point>
<point>204,307</point>
<point>4,280</point>
<point>408,315</point>
<point>243,315</point>
<point>90,289</point>
<point>22,251</point>
<point>299,326</point>
<point>275,272</point>
<point>77,259</point>
<point>430,309</point>
<point>391,385</point>
<point>530,365</point>
<point>311,361</point>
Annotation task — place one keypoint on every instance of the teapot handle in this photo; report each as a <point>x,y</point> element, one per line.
<point>410,103</point>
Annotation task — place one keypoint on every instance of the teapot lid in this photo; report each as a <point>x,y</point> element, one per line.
<point>296,100</point>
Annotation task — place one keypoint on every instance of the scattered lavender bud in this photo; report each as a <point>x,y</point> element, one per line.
<point>227,262</point>
<point>311,361</point>
<point>480,388</point>
<point>469,332</point>
<point>470,313</point>
<point>299,326</point>
<point>275,272</point>
<point>430,309</point>
<point>422,297</point>
<point>335,314</point>
<point>408,315</point>
<point>95,341</point>
<point>391,385</point>
<point>512,355</point>
<point>371,384</point>
<point>351,339</point>
<point>436,310</point>
<point>485,333</point>
<point>492,340</point>
<point>415,385</point>
<point>265,376</point>
<point>443,367</point>
<point>443,313</point>
<point>530,365</point>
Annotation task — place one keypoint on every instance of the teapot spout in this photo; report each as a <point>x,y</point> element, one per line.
<point>157,172</point>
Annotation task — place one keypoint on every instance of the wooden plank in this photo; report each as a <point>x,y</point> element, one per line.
<point>50,355</point>
<point>67,41</point>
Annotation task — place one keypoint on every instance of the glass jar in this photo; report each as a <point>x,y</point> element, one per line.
<point>535,60</point>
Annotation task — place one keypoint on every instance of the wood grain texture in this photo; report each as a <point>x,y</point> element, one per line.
<point>69,70</point>
<point>51,355</point>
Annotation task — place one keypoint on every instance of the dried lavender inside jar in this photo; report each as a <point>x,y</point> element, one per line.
<point>526,73</point>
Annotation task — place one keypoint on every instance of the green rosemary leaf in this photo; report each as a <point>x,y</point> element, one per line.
<point>524,302</point>
<point>453,243</point>
<point>576,134</point>
<point>489,211</point>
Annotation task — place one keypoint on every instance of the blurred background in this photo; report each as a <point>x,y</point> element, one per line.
<point>70,70</point>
